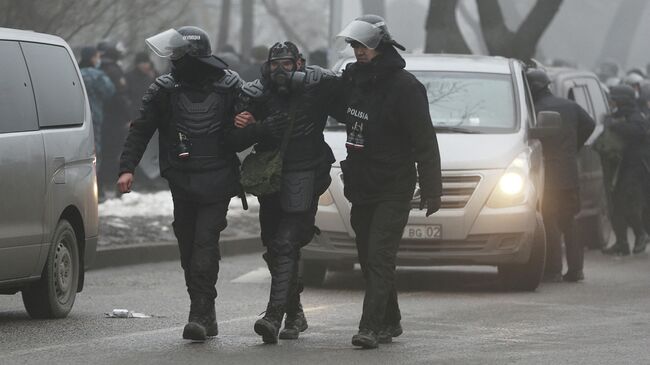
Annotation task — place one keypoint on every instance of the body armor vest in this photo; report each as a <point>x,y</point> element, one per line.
<point>198,129</point>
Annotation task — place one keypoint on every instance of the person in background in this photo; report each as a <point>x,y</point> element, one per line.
<point>632,173</point>
<point>117,115</point>
<point>99,89</point>
<point>561,180</point>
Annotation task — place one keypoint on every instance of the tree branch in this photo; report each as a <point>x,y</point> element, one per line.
<point>443,33</point>
<point>532,29</point>
<point>274,11</point>
<point>496,34</point>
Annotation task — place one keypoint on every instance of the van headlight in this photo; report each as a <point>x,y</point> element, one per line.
<point>513,185</point>
<point>326,199</point>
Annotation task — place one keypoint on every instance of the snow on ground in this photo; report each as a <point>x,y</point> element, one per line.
<point>147,217</point>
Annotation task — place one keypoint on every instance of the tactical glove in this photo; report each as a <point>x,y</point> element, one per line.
<point>432,205</point>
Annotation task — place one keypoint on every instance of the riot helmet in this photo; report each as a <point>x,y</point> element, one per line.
<point>633,79</point>
<point>538,80</point>
<point>284,79</point>
<point>188,40</point>
<point>368,30</point>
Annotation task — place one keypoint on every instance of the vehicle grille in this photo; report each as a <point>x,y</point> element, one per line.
<point>456,191</point>
<point>472,243</point>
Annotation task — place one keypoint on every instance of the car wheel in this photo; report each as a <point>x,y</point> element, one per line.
<point>526,277</point>
<point>313,273</point>
<point>54,294</point>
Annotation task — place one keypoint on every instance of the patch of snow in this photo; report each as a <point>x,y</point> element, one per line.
<point>160,204</point>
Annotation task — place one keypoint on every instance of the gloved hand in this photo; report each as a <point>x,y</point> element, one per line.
<point>432,205</point>
<point>275,124</point>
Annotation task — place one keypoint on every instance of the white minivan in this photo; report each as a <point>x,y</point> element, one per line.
<point>492,176</point>
<point>48,187</point>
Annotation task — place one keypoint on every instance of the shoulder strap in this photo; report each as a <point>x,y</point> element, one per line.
<point>287,133</point>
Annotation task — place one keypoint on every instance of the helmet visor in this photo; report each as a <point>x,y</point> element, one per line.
<point>168,44</point>
<point>369,35</point>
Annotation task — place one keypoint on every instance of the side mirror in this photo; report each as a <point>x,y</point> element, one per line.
<point>548,124</point>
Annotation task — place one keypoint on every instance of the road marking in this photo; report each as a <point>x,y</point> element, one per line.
<point>260,275</point>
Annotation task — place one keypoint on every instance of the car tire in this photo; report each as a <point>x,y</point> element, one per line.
<point>313,273</point>
<point>527,276</point>
<point>54,294</point>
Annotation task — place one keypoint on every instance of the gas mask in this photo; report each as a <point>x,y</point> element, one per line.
<point>287,82</point>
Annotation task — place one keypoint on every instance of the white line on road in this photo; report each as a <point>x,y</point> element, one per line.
<point>258,276</point>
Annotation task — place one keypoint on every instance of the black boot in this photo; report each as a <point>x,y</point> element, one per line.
<point>366,338</point>
<point>210,324</point>
<point>294,323</point>
<point>388,332</point>
<point>640,243</point>
<point>269,326</point>
<point>618,249</point>
<point>195,327</point>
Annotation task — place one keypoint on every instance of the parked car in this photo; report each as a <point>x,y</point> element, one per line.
<point>48,187</point>
<point>593,227</point>
<point>492,173</point>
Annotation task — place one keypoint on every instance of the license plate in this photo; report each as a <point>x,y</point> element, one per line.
<point>424,232</point>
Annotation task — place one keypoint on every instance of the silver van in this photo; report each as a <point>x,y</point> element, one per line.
<point>48,186</point>
<point>492,174</point>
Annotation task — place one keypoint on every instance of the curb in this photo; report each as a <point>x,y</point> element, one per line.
<point>145,253</point>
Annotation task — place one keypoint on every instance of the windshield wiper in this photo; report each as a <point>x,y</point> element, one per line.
<point>449,129</point>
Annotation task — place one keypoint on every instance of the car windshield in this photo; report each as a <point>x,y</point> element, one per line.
<point>464,102</point>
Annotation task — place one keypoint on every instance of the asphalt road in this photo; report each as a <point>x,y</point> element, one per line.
<point>450,316</point>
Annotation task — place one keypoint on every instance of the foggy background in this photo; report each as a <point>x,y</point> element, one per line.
<point>583,31</point>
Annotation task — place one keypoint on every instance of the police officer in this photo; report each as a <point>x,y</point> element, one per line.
<point>561,195</point>
<point>288,95</point>
<point>630,187</point>
<point>117,113</point>
<point>192,108</point>
<point>389,132</point>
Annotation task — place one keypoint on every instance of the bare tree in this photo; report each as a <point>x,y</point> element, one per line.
<point>224,24</point>
<point>274,10</point>
<point>247,14</point>
<point>443,34</point>
<point>86,22</point>
<point>626,23</point>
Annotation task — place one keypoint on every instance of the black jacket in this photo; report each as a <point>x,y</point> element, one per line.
<point>307,148</point>
<point>392,109</point>
<point>561,150</point>
<point>632,126</point>
<point>211,184</point>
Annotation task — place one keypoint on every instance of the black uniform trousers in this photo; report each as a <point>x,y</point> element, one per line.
<point>284,234</point>
<point>559,210</point>
<point>629,201</point>
<point>379,228</point>
<point>197,226</point>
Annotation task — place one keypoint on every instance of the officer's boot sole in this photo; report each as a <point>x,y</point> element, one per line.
<point>365,342</point>
<point>267,330</point>
<point>194,331</point>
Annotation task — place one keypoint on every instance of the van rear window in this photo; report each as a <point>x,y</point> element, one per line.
<point>58,91</point>
<point>17,108</point>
